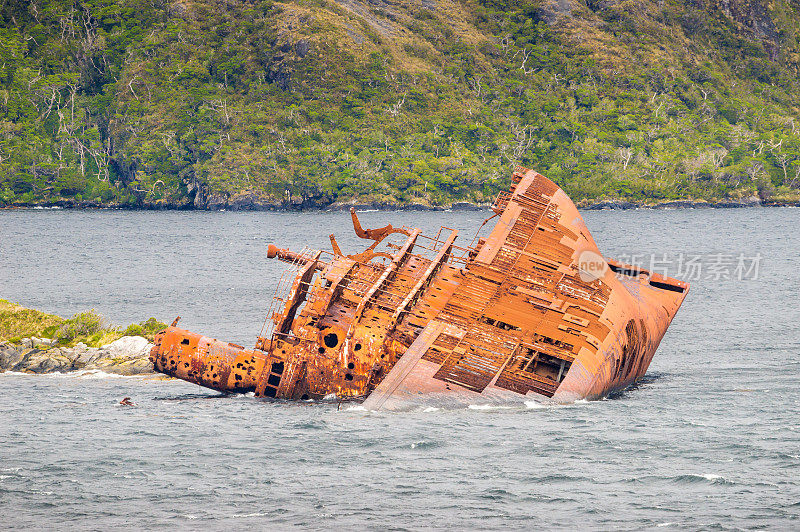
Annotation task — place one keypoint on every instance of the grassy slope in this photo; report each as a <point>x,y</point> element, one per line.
<point>17,322</point>
<point>147,103</point>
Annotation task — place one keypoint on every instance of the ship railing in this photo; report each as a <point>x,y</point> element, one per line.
<point>501,201</point>
<point>282,289</point>
<point>458,255</point>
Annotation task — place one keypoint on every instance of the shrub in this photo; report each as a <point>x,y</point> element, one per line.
<point>81,325</point>
<point>147,329</point>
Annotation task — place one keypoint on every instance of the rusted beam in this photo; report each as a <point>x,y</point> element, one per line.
<point>434,267</point>
<point>397,259</point>
<point>293,258</point>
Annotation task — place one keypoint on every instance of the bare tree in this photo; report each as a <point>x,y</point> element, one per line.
<point>790,121</point>
<point>525,55</point>
<point>796,176</point>
<point>505,43</point>
<point>130,86</point>
<point>524,137</point>
<point>221,106</point>
<point>783,161</point>
<point>754,170</point>
<point>478,88</point>
<point>394,110</point>
<point>624,156</point>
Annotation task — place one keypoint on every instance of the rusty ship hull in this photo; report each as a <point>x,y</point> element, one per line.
<point>530,312</point>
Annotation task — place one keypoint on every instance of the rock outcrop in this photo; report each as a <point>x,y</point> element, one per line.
<point>611,205</point>
<point>125,356</point>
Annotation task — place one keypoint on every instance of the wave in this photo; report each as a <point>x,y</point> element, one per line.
<point>212,394</point>
<point>491,407</point>
<point>78,374</point>
<point>702,477</point>
<point>246,395</point>
<point>534,405</point>
<point>422,444</point>
<point>95,374</point>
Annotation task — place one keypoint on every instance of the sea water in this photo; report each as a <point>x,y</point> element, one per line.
<point>709,439</point>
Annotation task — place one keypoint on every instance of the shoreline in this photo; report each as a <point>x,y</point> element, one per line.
<point>32,341</point>
<point>388,207</point>
<point>127,356</point>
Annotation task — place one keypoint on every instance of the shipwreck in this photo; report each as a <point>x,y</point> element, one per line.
<point>532,311</point>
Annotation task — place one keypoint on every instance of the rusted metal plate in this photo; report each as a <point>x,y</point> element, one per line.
<point>521,313</point>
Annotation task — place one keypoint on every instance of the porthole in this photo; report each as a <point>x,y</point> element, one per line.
<point>331,340</point>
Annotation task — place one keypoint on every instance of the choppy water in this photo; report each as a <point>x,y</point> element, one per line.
<point>709,440</point>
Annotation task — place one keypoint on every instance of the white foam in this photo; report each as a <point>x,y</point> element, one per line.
<point>533,405</point>
<point>79,374</point>
<point>356,408</point>
<point>100,374</point>
<point>489,407</point>
<point>711,476</point>
<point>89,374</point>
<point>245,395</point>
<point>431,409</point>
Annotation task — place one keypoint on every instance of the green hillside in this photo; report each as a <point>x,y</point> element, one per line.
<point>241,104</point>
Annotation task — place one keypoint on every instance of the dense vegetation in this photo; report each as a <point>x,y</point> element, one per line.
<point>210,103</point>
<point>17,322</point>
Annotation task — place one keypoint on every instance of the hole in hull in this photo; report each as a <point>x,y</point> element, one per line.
<point>331,340</point>
<point>665,286</point>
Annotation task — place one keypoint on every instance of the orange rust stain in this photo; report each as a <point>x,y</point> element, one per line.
<point>515,315</point>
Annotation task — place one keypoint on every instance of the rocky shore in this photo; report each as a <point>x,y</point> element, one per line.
<point>251,203</point>
<point>126,356</point>
<point>752,201</point>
